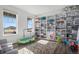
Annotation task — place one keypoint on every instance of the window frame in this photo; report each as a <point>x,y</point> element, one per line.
<point>27,24</point>
<point>12,12</point>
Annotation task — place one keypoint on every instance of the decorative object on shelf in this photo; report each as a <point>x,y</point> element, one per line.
<point>37,27</point>
<point>43,27</point>
<point>51,28</point>
<point>61,25</point>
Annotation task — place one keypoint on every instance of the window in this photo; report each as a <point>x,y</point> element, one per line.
<point>9,23</point>
<point>29,23</point>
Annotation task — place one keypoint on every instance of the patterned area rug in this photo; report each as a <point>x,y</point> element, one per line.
<point>25,51</point>
<point>39,47</point>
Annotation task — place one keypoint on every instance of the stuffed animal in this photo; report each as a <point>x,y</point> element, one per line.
<point>58,39</point>
<point>52,35</point>
<point>66,41</point>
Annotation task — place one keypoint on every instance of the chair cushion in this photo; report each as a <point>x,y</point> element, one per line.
<point>6,47</point>
<point>3,41</point>
<point>13,51</point>
<point>0,47</point>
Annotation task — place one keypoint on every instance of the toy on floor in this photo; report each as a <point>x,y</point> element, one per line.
<point>65,41</point>
<point>73,47</point>
<point>52,36</point>
<point>73,42</point>
<point>58,39</point>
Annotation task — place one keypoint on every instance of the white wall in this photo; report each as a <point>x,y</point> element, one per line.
<point>22,23</point>
<point>53,12</point>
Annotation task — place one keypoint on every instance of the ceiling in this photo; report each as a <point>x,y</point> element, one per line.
<point>40,9</point>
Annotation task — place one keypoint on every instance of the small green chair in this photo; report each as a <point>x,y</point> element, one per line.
<point>25,40</point>
<point>58,39</point>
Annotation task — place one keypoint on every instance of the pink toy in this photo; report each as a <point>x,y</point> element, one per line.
<point>71,43</point>
<point>52,35</point>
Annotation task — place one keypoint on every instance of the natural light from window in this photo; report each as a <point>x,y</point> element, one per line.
<point>9,23</point>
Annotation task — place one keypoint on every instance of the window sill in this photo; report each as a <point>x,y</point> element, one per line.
<point>9,34</point>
